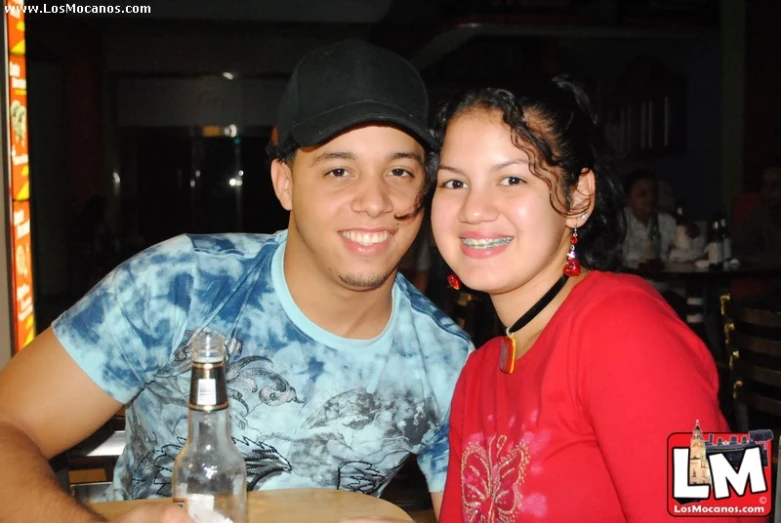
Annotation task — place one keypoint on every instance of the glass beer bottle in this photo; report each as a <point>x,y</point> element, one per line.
<point>210,477</point>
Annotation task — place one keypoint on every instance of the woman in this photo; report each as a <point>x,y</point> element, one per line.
<point>565,418</point>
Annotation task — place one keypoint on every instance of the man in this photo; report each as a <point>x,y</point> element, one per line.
<point>757,241</point>
<point>338,369</point>
<point>641,191</point>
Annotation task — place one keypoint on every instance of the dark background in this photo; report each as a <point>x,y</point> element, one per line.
<point>157,113</point>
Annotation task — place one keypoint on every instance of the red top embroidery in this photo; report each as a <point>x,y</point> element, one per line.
<point>492,473</point>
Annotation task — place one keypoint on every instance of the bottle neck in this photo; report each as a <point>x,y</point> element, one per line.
<point>209,419</point>
<point>209,427</point>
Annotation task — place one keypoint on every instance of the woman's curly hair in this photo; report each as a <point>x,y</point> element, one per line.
<point>554,123</point>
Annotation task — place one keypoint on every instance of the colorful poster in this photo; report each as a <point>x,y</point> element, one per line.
<point>17,152</point>
<point>17,114</point>
<point>22,267</point>
<point>14,16</point>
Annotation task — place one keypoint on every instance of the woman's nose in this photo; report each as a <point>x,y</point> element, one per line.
<point>477,207</point>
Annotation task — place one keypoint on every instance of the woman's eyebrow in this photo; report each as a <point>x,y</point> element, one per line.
<point>454,170</point>
<point>502,165</point>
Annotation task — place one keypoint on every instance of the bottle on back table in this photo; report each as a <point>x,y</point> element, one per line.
<point>210,476</point>
<point>715,247</point>
<point>725,239</point>
<point>655,238</point>
<point>682,240</point>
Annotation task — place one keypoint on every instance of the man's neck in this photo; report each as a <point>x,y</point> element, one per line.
<point>342,311</point>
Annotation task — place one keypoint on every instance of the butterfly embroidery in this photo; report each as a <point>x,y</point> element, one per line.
<point>492,473</point>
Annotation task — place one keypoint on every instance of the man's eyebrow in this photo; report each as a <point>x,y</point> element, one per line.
<point>402,155</point>
<point>334,155</point>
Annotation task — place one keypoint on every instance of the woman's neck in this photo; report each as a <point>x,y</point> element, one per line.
<point>512,305</point>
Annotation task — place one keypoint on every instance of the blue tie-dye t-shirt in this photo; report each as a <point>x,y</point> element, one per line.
<point>308,408</point>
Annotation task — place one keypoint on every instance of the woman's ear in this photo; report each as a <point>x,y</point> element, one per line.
<point>282,179</point>
<point>583,197</point>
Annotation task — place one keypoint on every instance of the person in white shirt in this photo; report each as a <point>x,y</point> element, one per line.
<point>640,212</point>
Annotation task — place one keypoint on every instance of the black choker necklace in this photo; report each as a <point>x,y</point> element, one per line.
<point>507,359</point>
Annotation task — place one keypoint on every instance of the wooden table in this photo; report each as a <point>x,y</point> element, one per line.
<point>292,505</point>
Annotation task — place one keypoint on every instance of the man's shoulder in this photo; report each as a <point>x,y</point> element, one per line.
<point>235,245</point>
<point>225,245</point>
<point>200,260</point>
<point>430,319</point>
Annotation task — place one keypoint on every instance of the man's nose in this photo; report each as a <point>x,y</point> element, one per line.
<point>372,198</point>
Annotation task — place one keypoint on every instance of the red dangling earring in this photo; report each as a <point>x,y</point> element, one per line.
<point>572,268</point>
<point>453,281</point>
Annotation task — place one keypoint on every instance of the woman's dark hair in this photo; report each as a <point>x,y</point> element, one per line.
<point>286,153</point>
<point>553,122</point>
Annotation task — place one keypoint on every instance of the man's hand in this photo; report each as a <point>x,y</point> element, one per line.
<point>155,513</point>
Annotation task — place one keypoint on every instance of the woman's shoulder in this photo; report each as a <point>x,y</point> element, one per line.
<point>602,283</point>
<point>624,313</point>
<point>617,294</point>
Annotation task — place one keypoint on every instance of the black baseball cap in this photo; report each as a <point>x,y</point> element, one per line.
<point>347,84</point>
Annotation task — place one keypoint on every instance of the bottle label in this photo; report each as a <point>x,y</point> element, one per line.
<point>207,387</point>
<point>715,253</point>
<point>207,392</point>
<point>200,507</point>
<point>727,249</point>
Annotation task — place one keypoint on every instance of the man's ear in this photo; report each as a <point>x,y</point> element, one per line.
<point>282,179</point>
<point>583,197</point>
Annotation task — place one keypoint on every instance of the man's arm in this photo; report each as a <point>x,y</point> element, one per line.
<point>436,501</point>
<point>47,405</point>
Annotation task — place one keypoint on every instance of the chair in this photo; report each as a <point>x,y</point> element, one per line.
<point>86,470</point>
<point>752,331</point>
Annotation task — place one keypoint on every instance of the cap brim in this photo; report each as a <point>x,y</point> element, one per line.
<point>323,127</point>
